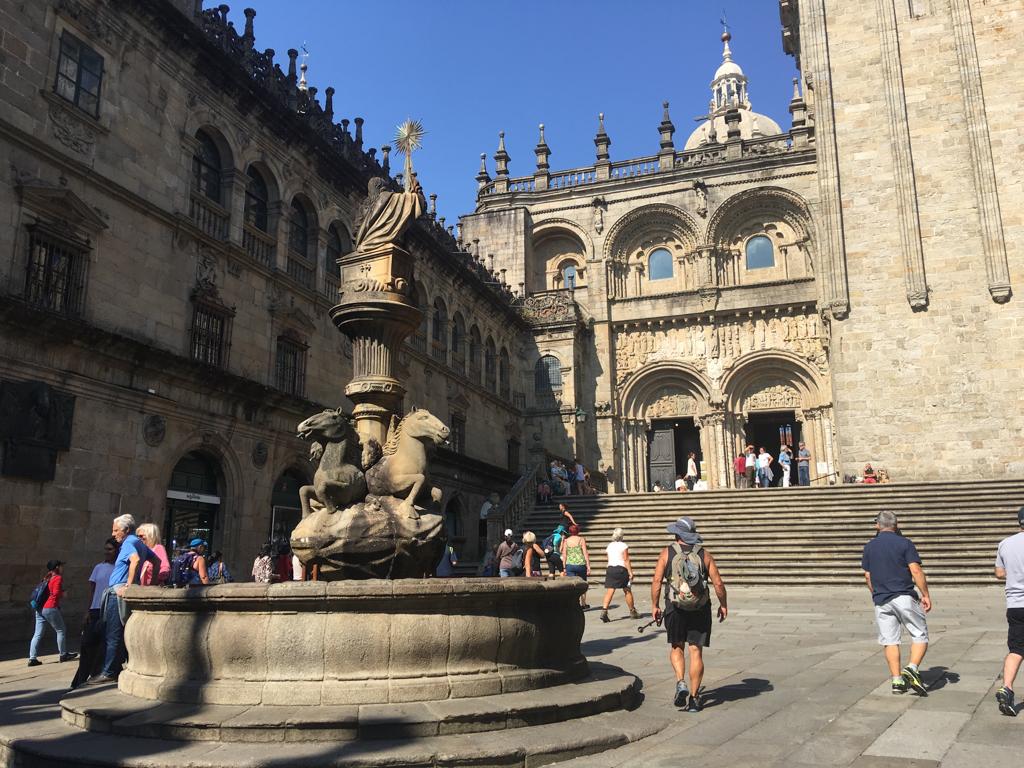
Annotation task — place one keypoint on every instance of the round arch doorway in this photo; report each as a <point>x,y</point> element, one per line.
<point>286,509</point>
<point>193,502</point>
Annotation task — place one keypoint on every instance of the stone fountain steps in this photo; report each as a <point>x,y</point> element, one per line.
<point>805,535</point>
<point>549,725</point>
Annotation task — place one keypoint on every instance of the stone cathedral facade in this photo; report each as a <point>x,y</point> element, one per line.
<point>848,282</point>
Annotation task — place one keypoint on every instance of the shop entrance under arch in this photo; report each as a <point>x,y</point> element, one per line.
<point>773,429</point>
<point>285,507</point>
<point>193,503</point>
<point>669,443</point>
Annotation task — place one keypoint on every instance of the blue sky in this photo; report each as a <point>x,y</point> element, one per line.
<point>470,68</point>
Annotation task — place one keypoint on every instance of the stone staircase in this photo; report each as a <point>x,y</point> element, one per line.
<point>804,535</point>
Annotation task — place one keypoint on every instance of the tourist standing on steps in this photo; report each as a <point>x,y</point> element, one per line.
<point>1010,568</point>
<point>764,468</point>
<point>505,554</point>
<point>50,614</point>
<point>99,579</point>
<point>576,558</point>
<point>685,569</point>
<point>691,470</point>
<point>751,461</point>
<point>566,516</point>
<point>680,483</point>
<point>892,568</point>
<point>739,466</point>
<point>785,460</point>
<point>803,465</point>
<point>93,645</point>
<point>127,567</point>
<point>618,576</point>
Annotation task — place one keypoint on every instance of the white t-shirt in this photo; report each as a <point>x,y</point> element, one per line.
<point>616,551</point>
<point>296,568</point>
<point>1010,557</point>
<point>691,468</point>
<point>100,577</point>
<point>680,483</point>
<point>764,459</point>
<point>751,461</point>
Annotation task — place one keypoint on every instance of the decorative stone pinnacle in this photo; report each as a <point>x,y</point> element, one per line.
<point>600,122</point>
<point>601,141</point>
<point>664,115</point>
<point>796,89</point>
<point>501,141</point>
<point>541,139</point>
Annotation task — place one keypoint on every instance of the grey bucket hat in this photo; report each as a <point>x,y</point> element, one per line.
<point>686,530</point>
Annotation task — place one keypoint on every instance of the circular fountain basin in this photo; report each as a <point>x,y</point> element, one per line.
<point>352,642</point>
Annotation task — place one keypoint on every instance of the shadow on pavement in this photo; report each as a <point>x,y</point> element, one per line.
<point>608,644</point>
<point>750,687</point>
<point>938,677</point>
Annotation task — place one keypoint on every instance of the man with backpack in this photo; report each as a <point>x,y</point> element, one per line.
<point>509,556</point>
<point>685,568</point>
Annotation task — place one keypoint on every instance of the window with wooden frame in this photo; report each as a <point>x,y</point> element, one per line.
<point>457,438</point>
<point>79,74</point>
<point>55,271</point>
<point>206,168</point>
<point>210,336</point>
<point>290,367</point>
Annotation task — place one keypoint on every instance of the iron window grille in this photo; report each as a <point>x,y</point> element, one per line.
<point>290,371</point>
<point>206,169</point>
<point>208,342</point>
<point>79,74</point>
<point>457,438</point>
<point>547,375</point>
<point>298,230</point>
<point>55,272</point>
<point>257,198</point>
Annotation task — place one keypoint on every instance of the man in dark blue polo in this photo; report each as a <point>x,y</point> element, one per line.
<point>892,568</point>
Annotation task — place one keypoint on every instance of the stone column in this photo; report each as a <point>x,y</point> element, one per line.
<point>235,183</point>
<point>377,314</point>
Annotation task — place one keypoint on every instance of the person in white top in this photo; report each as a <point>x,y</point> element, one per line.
<point>764,469</point>
<point>618,576</point>
<point>680,483</point>
<point>99,579</point>
<point>691,470</point>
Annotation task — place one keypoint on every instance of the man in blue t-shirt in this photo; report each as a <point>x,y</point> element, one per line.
<point>892,568</point>
<point>127,568</point>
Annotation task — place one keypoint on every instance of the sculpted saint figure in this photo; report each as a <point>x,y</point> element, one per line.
<point>388,215</point>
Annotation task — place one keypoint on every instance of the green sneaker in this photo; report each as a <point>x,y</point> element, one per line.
<point>899,686</point>
<point>1004,697</point>
<point>913,680</point>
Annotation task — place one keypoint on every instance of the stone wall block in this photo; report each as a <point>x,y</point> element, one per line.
<point>303,634</point>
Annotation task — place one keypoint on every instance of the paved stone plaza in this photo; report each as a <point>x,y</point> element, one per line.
<point>794,678</point>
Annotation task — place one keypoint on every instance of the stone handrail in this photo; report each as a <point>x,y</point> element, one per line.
<point>641,166</point>
<point>512,510</point>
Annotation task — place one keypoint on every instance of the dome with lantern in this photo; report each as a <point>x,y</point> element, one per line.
<point>729,91</point>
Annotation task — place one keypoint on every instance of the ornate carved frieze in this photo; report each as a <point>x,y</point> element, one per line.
<point>670,403</point>
<point>772,397</point>
<point>71,131</point>
<point>714,345</point>
<point>551,307</point>
<point>154,428</point>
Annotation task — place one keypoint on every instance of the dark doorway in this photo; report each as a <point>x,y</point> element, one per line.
<point>669,444</point>
<point>285,507</point>
<point>193,503</point>
<point>771,430</point>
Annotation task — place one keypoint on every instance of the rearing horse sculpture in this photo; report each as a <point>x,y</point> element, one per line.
<point>401,471</point>
<point>339,480</point>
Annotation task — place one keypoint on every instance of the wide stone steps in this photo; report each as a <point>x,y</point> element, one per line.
<point>805,535</point>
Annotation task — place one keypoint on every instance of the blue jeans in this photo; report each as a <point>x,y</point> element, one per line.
<point>114,658</point>
<point>503,572</point>
<point>576,570</point>
<point>53,617</point>
<point>804,474</point>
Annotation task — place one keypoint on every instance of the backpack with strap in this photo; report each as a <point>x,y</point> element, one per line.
<point>688,579</point>
<point>40,595</point>
<point>548,544</point>
<point>182,568</point>
<point>518,562</point>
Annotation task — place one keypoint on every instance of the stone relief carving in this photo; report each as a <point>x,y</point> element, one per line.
<point>724,341</point>
<point>669,403</point>
<point>71,132</point>
<point>154,427</point>
<point>778,396</point>
<point>549,308</point>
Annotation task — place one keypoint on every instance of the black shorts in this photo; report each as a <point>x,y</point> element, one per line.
<point>555,563</point>
<point>616,577</point>
<point>1015,637</point>
<point>693,627</point>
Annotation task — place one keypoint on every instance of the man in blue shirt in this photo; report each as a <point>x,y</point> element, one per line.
<point>892,568</point>
<point>803,465</point>
<point>127,568</point>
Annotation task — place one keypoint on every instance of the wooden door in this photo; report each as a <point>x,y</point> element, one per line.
<point>662,458</point>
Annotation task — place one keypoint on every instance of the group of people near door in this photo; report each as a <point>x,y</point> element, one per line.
<point>759,469</point>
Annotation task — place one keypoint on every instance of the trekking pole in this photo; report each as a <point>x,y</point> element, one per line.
<point>645,626</point>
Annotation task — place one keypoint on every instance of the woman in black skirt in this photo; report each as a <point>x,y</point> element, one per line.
<point>619,575</point>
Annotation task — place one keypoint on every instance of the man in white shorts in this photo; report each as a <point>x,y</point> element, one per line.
<point>892,568</point>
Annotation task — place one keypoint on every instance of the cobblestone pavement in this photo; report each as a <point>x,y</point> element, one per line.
<point>794,678</point>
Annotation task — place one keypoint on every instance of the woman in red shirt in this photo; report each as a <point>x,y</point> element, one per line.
<point>50,614</point>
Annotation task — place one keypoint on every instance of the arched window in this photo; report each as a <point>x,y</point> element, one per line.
<point>659,264</point>
<point>547,375</point>
<point>569,276</point>
<point>475,347</point>
<point>298,229</point>
<point>760,252</point>
<point>458,337</point>
<point>503,374</point>
<point>440,329</point>
<point>338,244</point>
<point>257,197</point>
<point>206,168</point>
<point>490,366</point>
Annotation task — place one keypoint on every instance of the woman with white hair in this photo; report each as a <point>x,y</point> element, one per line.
<point>534,557</point>
<point>618,576</point>
<point>150,535</point>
